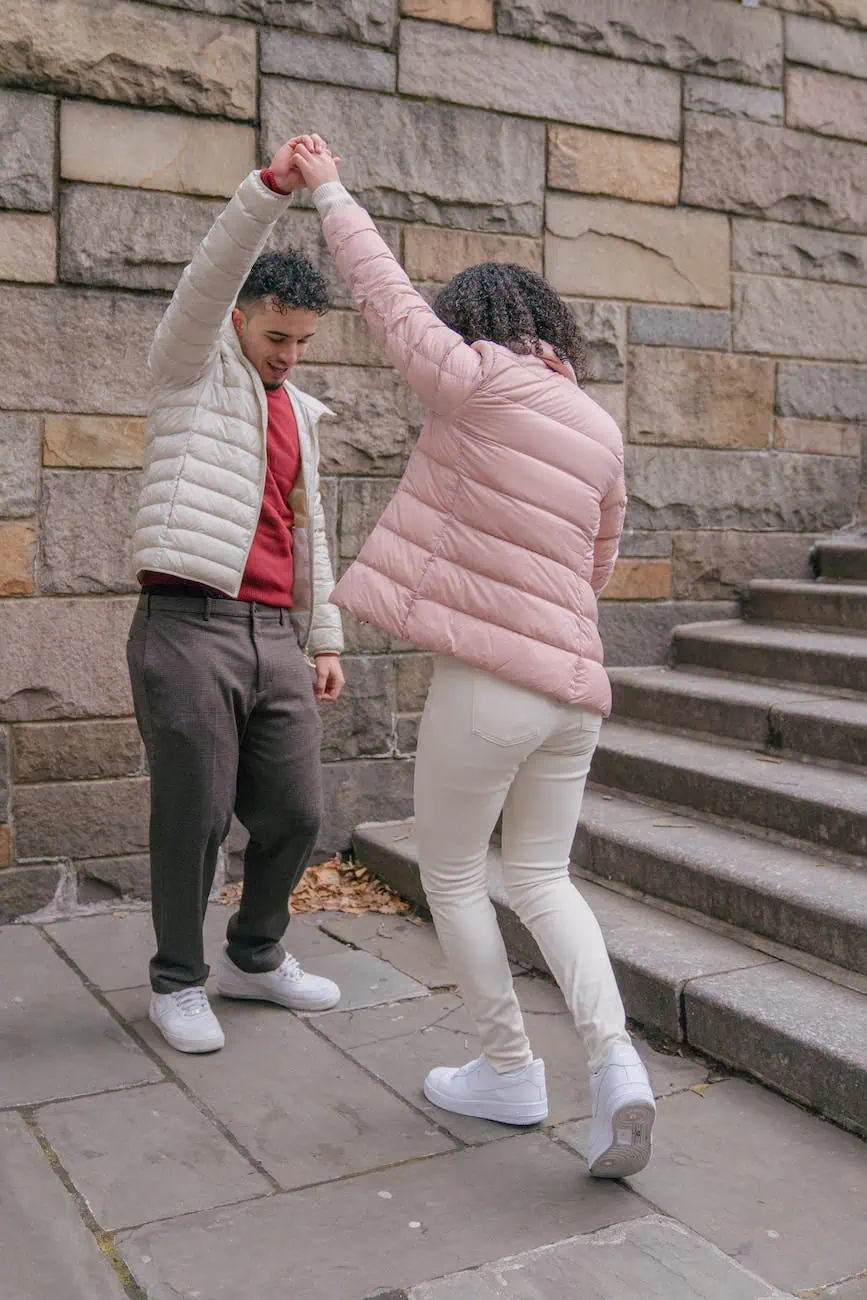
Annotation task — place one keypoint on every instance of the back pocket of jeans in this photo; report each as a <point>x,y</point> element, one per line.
<point>502,713</point>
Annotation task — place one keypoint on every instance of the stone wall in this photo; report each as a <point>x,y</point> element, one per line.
<point>692,174</point>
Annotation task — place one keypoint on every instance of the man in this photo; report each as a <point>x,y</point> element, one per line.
<point>231,552</point>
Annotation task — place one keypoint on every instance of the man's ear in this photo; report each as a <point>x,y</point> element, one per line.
<point>239,320</point>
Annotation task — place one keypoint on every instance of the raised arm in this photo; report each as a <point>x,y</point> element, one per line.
<point>608,537</point>
<point>435,361</point>
<point>188,335</point>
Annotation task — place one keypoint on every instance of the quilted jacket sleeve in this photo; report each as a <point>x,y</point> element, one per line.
<point>187,337</point>
<point>326,630</point>
<point>442,370</point>
<point>608,537</point>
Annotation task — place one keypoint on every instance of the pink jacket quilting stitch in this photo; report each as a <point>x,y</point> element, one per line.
<point>506,524</point>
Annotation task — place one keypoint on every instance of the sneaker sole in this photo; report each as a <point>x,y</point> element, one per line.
<point>632,1144</point>
<point>520,1116</point>
<point>185,1045</point>
<point>242,996</point>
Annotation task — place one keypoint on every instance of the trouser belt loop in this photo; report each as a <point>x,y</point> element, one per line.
<point>207,608</point>
<point>148,604</point>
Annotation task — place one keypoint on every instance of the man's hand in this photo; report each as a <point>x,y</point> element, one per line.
<point>329,677</point>
<point>284,165</point>
<point>316,165</point>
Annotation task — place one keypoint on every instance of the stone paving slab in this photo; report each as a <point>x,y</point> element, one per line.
<point>364,980</point>
<point>395,1228</point>
<point>648,1259</point>
<point>147,1154</point>
<point>449,1039</point>
<point>57,1041</point>
<point>410,944</point>
<point>853,1289</point>
<point>45,1249</point>
<point>780,1190</point>
<point>297,1104</point>
<point>113,949</point>
<point>348,1029</point>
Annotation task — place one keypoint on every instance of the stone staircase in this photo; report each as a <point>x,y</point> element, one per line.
<point>723,843</point>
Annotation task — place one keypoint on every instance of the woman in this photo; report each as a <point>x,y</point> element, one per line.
<point>502,534</point>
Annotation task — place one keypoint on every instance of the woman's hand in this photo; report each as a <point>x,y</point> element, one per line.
<point>317,167</point>
<point>284,165</point>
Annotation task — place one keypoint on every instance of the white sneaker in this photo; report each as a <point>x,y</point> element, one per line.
<point>518,1097</point>
<point>186,1021</point>
<point>288,985</point>
<point>623,1115</point>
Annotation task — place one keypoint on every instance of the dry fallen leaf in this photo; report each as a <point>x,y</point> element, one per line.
<point>334,886</point>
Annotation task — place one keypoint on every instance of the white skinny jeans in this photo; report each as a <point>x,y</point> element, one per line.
<point>487,747</point>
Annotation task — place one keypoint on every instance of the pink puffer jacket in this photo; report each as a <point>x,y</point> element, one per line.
<point>505,526</point>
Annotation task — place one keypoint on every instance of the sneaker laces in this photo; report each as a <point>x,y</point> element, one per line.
<point>290,969</point>
<point>192,1001</point>
<point>470,1067</point>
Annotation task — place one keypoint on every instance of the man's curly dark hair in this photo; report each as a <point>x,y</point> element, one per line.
<point>508,304</point>
<point>287,280</point>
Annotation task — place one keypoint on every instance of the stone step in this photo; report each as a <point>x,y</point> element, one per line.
<point>765,715</point>
<point>803,1035</point>
<point>841,561</point>
<point>819,805</point>
<point>767,889</point>
<point>837,660</point>
<point>819,604</point>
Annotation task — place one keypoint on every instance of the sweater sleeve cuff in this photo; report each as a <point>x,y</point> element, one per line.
<point>267,178</point>
<point>331,195</point>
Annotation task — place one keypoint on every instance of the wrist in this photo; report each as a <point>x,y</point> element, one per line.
<point>268,179</point>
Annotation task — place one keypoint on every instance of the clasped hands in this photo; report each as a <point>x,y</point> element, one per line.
<point>304,162</point>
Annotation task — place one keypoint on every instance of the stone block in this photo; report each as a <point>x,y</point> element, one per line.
<point>64,659</point>
<point>359,791</point>
<point>612,398</point>
<point>93,442</point>
<point>377,418</point>
<point>704,399</point>
<point>477,14</point>
<point>362,502</point>
<point>322,58</point>
<point>435,255</point>
<point>640,579</point>
<point>771,248</point>
<point>153,151</point>
<point>842,11</point>
<point>17,557</point>
<point>634,542</point>
<point>406,734</point>
<point>720,565</point>
<point>4,775</point>
<point>699,36</point>
<point>825,45</point>
<point>27,144</point>
<point>87,526</point>
<point>302,230</point>
<point>811,392</point>
<point>420,161</point>
<point>101,368</point>
<point>682,488</point>
<point>603,329</point>
<point>26,890</point>
<point>679,327</point>
<point>104,880</point>
<point>818,437</point>
<point>727,165</point>
<point>82,819</point>
<point>536,80</point>
<point>370,21</point>
<point>413,675</point>
<point>607,248</point>
<point>826,103</point>
<point>342,338</point>
<point>77,751</point>
<point>131,239</point>
<point>112,49</point>
<point>733,99</point>
<point>798,318</point>
<point>28,248</point>
<point>360,724</point>
<point>596,162</point>
<point>5,848</point>
<point>46,1247</point>
<point>20,436</point>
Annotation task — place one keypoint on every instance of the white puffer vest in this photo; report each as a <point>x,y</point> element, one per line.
<point>205,445</point>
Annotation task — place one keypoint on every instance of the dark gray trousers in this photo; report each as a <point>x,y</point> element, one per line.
<point>225,705</point>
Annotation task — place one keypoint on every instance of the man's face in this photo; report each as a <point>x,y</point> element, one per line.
<point>274,339</point>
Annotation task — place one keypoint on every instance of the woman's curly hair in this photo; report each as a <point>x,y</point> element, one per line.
<point>508,304</point>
